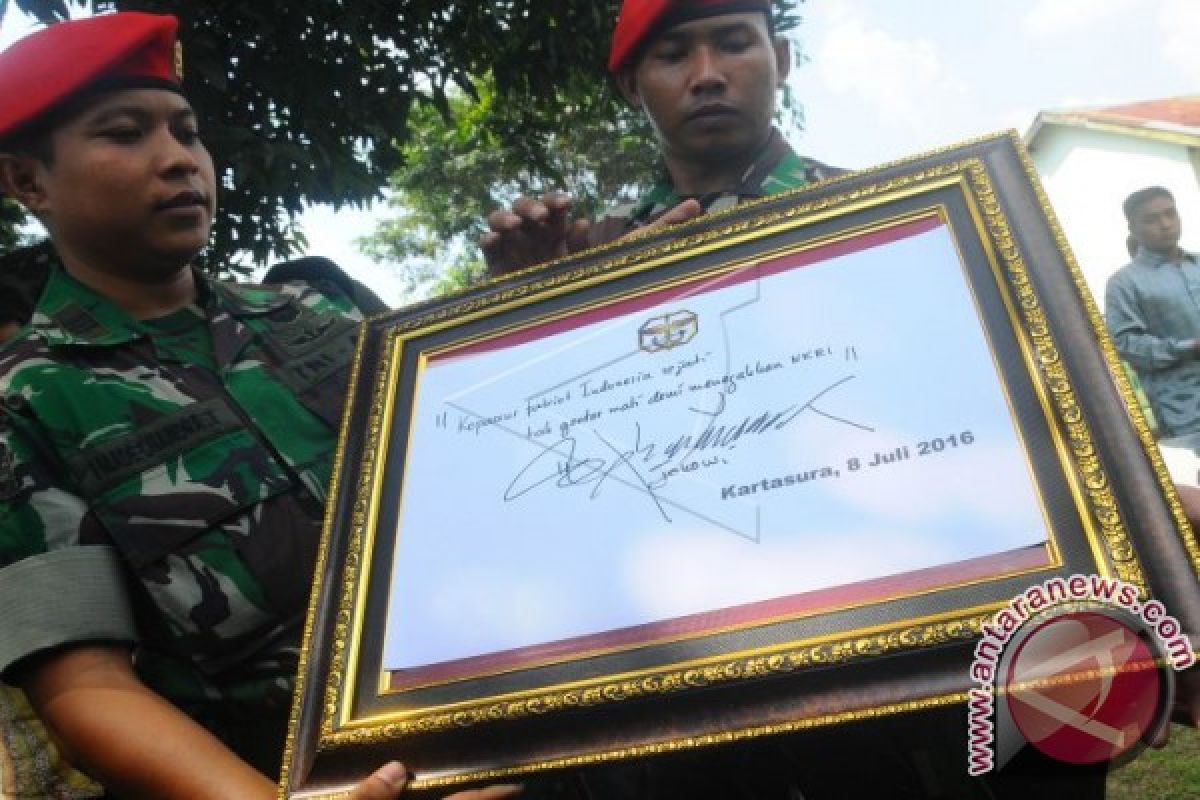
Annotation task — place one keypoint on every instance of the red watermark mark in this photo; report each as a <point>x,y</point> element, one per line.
<point>1083,688</point>
<point>1082,666</point>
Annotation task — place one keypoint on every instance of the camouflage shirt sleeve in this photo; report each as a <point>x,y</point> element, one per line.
<point>53,589</point>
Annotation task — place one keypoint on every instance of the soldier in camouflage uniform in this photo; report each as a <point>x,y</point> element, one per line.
<point>211,431</point>
<point>705,73</point>
<point>165,440</point>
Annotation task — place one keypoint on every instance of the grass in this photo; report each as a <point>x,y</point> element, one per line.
<point>1172,773</point>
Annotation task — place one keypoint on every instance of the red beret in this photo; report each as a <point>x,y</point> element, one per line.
<point>639,19</point>
<point>45,68</point>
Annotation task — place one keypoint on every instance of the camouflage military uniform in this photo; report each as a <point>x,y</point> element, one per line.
<point>162,484</point>
<point>776,169</point>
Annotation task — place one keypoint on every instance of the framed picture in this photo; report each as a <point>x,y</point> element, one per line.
<point>763,472</point>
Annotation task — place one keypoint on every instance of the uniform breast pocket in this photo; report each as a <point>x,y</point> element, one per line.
<point>157,488</point>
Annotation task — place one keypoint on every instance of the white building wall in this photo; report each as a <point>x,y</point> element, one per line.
<point>1088,174</point>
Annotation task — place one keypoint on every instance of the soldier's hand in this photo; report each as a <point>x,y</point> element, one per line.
<point>388,782</point>
<point>533,231</point>
<point>688,209</point>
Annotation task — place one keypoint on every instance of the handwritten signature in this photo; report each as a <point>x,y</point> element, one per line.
<point>726,436</point>
<point>563,466</point>
<point>558,463</point>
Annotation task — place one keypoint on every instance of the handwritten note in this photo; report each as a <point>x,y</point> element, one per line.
<point>783,427</point>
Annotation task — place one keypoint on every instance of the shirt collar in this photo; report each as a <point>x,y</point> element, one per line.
<point>247,301</point>
<point>663,194</point>
<point>70,313</point>
<point>1149,258</point>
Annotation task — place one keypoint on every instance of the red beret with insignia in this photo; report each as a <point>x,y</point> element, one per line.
<point>123,50</point>
<point>639,20</point>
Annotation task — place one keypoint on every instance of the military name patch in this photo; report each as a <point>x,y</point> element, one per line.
<point>108,463</point>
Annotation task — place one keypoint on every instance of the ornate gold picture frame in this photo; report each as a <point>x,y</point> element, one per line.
<point>690,488</point>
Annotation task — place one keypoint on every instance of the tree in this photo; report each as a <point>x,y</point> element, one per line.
<point>305,101</point>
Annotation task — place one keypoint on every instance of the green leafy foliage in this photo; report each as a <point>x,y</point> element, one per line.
<point>312,101</point>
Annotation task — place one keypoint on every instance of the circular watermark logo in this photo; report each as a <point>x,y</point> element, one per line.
<point>1080,667</point>
<point>1085,687</point>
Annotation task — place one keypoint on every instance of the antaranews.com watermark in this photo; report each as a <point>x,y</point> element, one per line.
<point>1081,684</point>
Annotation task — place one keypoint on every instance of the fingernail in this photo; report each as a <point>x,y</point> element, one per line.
<point>393,774</point>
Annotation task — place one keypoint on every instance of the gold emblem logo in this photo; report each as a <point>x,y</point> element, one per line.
<point>668,331</point>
